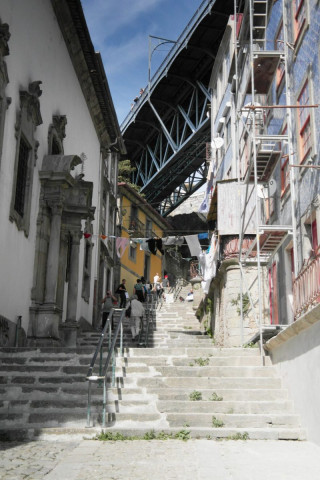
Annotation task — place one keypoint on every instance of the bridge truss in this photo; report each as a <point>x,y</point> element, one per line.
<point>167,130</point>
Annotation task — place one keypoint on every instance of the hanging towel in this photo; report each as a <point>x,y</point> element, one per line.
<point>121,245</point>
<point>193,244</point>
<point>159,245</point>
<point>152,245</point>
<point>144,245</point>
<point>202,236</point>
<point>176,240</point>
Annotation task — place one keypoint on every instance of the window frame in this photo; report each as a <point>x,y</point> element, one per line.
<point>132,254</point>
<point>28,118</point>
<point>4,79</point>
<point>306,125</point>
<point>300,26</point>
<point>279,45</point>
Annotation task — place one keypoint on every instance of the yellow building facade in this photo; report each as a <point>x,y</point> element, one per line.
<point>138,220</point>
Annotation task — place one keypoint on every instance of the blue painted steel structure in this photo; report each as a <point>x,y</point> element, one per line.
<point>167,130</point>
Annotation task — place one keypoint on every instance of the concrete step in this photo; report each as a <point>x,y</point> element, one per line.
<point>211,371</point>
<point>226,407</point>
<point>79,432</point>
<point>227,394</point>
<point>192,352</point>
<point>197,383</point>
<point>233,420</point>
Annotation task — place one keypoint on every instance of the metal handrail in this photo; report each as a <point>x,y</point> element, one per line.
<point>149,310</point>
<point>104,369</point>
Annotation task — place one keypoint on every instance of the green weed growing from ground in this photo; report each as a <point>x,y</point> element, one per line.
<point>152,435</point>
<point>215,398</point>
<point>195,396</point>
<point>216,423</point>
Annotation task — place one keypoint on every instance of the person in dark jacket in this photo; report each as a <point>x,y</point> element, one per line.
<point>138,290</point>
<point>107,306</point>
<point>121,290</point>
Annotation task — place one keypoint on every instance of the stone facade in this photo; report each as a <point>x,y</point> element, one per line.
<point>59,147</point>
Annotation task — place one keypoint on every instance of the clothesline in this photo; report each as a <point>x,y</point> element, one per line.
<point>152,245</point>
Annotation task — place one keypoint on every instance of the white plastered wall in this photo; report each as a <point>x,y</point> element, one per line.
<point>38,52</point>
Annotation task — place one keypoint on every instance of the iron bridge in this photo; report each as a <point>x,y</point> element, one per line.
<point>166,131</point>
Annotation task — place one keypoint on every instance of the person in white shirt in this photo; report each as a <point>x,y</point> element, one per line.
<point>137,312</point>
<point>156,278</point>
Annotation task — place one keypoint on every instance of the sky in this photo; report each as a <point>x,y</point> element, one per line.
<point>120,31</point>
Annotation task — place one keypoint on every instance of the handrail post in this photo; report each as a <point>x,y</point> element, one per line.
<point>110,331</point>
<point>121,338</point>
<point>89,405</point>
<point>104,403</point>
<point>113,369</point>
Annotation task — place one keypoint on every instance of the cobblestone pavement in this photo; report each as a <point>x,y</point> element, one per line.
<point>155,460</point>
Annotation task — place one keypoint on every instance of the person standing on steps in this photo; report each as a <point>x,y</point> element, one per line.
<point>107,306</point>
<point>136,316</point>
<point>122,291</point>
<point>165,284</point>
<point>156,279</point>
<point>138,290</point>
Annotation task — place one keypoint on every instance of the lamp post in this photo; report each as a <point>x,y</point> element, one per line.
<point>162,41</point>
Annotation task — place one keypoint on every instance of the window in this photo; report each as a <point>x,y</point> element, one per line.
<point>314,236</point>
<point>103,213</point>
<point>310,237</point>
<point>273,294</point>
<point>22,177</point>
<point>56,134</point>
<point>29,117</point>
<point>300,18</point>
<point>269,208</point>
<point>285,169</point>
<point>279,45</point>
<point>304,122</point>
<point>4,79</point>
<point>133,251</point>
<point>228,132</point>
<point>148,229</point>
<point>86,279</point>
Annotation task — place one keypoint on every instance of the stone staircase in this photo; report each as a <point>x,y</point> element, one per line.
<point>182,382</point>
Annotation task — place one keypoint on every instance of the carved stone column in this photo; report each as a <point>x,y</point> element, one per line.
<point>53,254</point>
<point>69,329</point>
<point>73,277</point>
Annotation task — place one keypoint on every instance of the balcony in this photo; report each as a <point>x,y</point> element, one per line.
<point>306,287</point>
<point>136,228</point>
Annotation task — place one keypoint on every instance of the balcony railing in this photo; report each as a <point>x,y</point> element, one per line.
<point>136,228</point>
<point>306,287</point>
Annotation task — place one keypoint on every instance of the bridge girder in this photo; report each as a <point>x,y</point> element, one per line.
<point>168,146</point>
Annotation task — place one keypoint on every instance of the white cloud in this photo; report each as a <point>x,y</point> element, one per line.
<point>105,17</point>
<point>119,58</point>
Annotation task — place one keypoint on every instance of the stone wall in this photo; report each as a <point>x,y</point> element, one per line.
<point>226,321</point>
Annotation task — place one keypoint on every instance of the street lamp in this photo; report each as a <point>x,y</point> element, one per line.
<point>161,41</point>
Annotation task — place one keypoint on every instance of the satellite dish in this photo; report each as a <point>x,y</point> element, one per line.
<point>268,190</point>
<point>217,142</point>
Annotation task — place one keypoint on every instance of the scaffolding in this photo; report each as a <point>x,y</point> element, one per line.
<point>258,151</point>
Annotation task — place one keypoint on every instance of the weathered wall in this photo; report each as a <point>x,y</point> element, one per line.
<point>38,52</point>
<point>226,321</point>
<point>296,353</point>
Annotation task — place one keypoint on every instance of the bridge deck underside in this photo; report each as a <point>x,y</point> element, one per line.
<point>166,132</point>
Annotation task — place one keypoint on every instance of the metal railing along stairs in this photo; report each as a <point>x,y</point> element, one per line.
<point>107,345</point>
